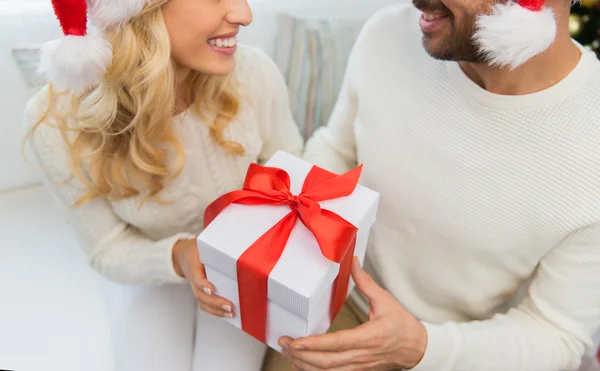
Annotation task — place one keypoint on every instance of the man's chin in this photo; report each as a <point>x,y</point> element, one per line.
<point>441,50</point>
<point>432,48</point>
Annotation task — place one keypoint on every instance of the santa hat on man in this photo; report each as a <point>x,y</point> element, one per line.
<point>80,60</point>
<point>515,32</point>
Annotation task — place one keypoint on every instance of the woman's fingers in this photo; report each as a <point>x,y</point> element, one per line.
<point>215,302</point>
<point>204,291</point>
<point>209,302</point>
<point>215,311</point>
<point>199,280</point>
<point>215,305</point>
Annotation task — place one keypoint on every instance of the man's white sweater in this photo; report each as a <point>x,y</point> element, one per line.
<point>481,195</point>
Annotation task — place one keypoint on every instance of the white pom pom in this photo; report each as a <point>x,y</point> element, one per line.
<point>76,62</point>
<point>108,13</point>
<point>512,35</point>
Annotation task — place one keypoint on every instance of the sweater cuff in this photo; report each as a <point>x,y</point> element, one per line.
<point>442,348</point>
<point>171,275</point>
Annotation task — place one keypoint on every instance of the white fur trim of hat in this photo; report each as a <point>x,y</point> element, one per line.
<point>79,60</point>
<point>515,32</point>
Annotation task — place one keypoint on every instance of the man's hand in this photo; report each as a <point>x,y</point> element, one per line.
<point>392,338</point>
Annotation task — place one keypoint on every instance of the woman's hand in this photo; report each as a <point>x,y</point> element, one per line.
<point>187,264</point>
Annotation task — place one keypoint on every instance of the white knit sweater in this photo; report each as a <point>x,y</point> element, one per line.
<point>133,245</point>
<point>480,194</point>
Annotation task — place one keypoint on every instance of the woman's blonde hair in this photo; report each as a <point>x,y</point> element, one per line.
<point>121,143</point>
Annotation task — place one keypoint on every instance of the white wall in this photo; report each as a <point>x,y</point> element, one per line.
<point>262,30</point>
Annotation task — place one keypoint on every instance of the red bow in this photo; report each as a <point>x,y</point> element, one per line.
<point>336,237</point>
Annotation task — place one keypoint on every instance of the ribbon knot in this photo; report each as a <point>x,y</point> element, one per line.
<point>336,236</point>
<point>292,201</point>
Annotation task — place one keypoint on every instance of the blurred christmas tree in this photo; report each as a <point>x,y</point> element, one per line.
<point>584,24</point>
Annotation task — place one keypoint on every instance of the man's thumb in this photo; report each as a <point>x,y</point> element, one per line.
<point>369,288</point>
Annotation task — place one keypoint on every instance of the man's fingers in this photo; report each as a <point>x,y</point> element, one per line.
<point>305,366</point>
<point>334,342</point>
<point>364,282</point>
<point>300,365</point>
<point>334,360</point>
<point>285,342</point>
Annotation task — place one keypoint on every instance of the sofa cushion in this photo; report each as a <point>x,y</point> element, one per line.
<point>27,59</point>
<point>312,55</point>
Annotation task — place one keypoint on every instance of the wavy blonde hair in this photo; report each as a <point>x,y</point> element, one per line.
<point>120,137</point>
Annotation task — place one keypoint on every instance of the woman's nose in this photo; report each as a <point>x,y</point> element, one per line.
<point>239,13</point>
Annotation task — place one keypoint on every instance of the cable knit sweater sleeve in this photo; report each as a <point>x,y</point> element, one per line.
<point>112,247</point>
<point>548,331</point>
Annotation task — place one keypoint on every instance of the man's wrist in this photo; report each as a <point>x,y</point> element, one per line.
<point>421,347</point>
<point>414,351</point>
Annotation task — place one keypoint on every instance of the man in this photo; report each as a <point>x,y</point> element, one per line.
<point>482,134</point>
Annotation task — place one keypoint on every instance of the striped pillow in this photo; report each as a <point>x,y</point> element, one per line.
<point>312,55</point>
<point>28,60</point>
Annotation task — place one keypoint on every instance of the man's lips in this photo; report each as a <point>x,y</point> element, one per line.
<point>432,21</point>
<point>437,11</point>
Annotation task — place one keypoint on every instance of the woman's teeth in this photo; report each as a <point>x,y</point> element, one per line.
<point>223,43</point>
<point>432,16</point>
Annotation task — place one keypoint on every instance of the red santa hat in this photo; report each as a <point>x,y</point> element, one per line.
<point>80,60</point>
<point>515,32</point>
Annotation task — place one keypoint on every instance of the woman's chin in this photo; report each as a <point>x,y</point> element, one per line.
<point>216,68</point>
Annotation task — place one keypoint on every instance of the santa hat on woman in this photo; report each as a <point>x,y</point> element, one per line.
<point>80,60</point>
<point>515,32</point>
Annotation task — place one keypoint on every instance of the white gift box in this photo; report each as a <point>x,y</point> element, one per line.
<point>300,285</point>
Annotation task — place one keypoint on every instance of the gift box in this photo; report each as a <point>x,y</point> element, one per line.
<point>281,248</point>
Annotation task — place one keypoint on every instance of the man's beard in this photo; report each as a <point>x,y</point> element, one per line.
<point>457,42</point>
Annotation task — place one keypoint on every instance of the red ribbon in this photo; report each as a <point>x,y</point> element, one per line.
<point>336,237</point>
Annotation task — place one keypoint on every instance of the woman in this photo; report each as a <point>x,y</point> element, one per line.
<point>138,145</point>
